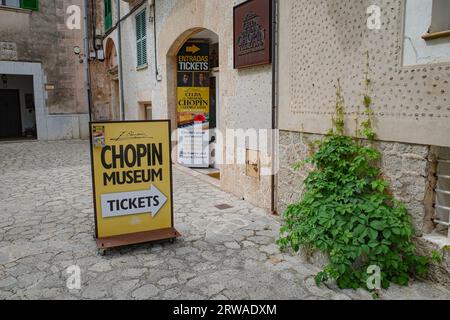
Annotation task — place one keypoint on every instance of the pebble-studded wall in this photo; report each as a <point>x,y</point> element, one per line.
<point>325,40</point>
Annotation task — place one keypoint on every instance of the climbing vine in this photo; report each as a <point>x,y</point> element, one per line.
<point>348,212</point>
<point>367,130</point>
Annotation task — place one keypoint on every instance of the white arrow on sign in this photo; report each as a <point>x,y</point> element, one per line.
<point>134,202</point>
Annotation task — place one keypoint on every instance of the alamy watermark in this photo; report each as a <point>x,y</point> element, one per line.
<point>73,21</point>
<point>374,280</point>
<point>74,280</point>
<point>374,19</point>
<point>229,147</point>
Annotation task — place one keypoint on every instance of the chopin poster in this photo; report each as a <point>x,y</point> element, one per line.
<point>132,179</point>
<point>193,104</point>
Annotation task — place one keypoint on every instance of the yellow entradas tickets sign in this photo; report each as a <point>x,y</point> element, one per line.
<point>193,101</point>
<point>132,181</point>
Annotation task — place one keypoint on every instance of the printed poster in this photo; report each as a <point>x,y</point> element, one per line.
<point>193,104</point>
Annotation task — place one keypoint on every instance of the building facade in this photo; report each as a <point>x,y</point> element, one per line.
<point>42,68</point>
<point>148,81</point>
<point>315,44</point>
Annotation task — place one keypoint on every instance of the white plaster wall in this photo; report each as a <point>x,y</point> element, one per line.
<point>251,104</point>
<point>418,15</point>
<point>163,10</point>
<point>138,84</point>
<point>67,127</point>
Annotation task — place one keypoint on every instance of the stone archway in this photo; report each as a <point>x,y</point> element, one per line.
<point>176,30</point>
<point>202,36</point>
<point>185,19</point>
<point>110,54</point>
<point>171,72</point>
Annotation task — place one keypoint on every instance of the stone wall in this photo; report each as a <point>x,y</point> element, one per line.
<point>403,165</point>
<point>101,92</point>
<point>100,80</point>
<point>42,36</point>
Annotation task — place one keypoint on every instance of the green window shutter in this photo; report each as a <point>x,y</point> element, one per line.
<point>144,37</point>
<point>29,4</point>
<point>141,39</point>
<point>108,15</point>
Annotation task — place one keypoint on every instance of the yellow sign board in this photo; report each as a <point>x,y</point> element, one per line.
<point>132,180</point>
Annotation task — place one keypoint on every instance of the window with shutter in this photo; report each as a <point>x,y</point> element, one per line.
<point>141,38</point>
<point>108,14</point>
<point>29,4</point>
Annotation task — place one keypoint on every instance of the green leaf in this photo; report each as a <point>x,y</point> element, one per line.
<point>377,225</point>
<point>373,234</point>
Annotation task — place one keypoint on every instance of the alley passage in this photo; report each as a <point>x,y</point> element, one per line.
<point>46,226</point>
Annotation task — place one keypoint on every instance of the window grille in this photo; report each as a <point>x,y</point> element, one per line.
<point>442,203</point>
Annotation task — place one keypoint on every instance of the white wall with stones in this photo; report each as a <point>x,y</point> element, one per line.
<point>325,40</point>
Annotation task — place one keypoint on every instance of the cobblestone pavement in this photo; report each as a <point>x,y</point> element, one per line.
<point>46,225</point>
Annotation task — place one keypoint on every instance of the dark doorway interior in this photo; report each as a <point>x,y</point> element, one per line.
<point>212,103</point>
<point>10,118</point>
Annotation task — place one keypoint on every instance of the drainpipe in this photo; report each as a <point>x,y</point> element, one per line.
<point>119,42</point>
<point>274,176</point>
<point>86,58</point>
<point>154,43</point>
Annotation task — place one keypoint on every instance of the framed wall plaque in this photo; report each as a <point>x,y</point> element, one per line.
<point>252,28</point>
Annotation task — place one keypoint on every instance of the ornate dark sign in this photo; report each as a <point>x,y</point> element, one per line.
<point>252,33</point>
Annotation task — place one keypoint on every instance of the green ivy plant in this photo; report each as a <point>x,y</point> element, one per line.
<point>436,257</point>
<point>348,212</point>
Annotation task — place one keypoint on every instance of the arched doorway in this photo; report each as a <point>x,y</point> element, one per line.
<point>184,81</point>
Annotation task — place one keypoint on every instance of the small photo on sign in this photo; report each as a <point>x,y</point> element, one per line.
<point>98,136</point>
<point>201,79</point>
<point>185,79</point>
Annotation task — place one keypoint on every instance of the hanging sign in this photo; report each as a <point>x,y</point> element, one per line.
<point>132,181</point>
<point>193,104</point>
